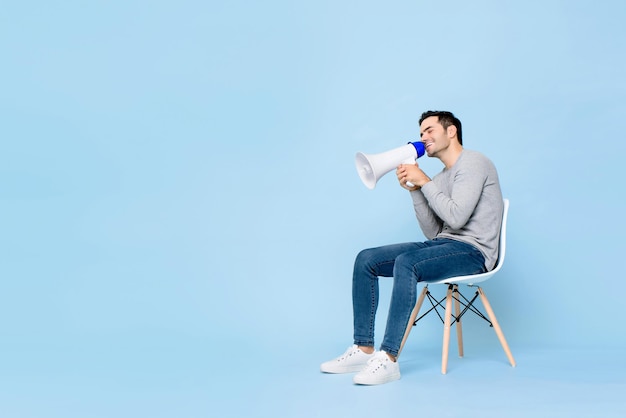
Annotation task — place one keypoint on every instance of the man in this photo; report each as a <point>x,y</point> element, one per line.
<point>460,213</point>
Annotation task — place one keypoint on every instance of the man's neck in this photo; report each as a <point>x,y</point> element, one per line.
<point>451,155</point>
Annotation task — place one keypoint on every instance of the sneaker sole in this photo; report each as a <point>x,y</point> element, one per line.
<point>369,382</point>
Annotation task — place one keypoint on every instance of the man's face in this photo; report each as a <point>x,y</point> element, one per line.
<point>434,136</point>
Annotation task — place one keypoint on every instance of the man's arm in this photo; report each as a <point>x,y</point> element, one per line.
<point>456,205</point>
<point>428,221</point>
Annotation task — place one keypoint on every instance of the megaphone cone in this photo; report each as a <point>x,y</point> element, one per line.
<point>371,167</point>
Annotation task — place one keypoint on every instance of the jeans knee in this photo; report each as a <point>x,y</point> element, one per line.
<point>403,269</point>
<point>363,261</point>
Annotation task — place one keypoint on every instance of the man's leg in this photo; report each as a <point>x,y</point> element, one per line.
<point>368,266</point>
<point>437,259</point>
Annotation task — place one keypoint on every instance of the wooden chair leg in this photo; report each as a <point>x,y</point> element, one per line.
<point>416,311</point>
<point>446,331</point>
<point>496,326</point>
<point>459,326</point>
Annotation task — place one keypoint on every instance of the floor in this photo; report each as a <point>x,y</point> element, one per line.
<point>186,377</point>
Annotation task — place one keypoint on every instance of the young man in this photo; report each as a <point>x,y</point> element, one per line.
<point>460,213</point>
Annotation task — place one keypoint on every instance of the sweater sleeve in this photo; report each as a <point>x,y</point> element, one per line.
<point>428,221</point>
<point>456,205</point>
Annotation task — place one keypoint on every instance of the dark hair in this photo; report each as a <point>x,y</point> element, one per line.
<point>445,119</point>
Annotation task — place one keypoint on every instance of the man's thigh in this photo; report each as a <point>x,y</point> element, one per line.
<point>440,259</point>
<point>381,260</point>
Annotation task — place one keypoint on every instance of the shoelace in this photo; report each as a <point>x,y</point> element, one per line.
<point>375,363</point>
<point>347,354</point>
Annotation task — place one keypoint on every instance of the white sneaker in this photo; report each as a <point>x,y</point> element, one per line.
<point>353,360</point>
<point>380,369</point>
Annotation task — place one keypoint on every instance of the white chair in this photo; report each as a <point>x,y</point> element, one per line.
<point>468,305</point>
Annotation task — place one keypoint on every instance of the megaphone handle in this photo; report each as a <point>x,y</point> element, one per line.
<point>409,161</point>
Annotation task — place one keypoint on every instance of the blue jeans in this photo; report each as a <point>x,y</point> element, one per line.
<point>408,264</point>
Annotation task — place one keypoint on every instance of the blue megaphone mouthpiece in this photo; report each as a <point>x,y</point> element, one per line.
<point>419,148</point>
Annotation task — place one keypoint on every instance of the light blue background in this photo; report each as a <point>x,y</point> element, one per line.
<point>179,198</point>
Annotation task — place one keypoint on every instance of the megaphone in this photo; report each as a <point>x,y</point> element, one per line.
<point>371,167</point>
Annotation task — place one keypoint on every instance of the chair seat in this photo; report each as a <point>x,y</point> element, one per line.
<point>468,280</point>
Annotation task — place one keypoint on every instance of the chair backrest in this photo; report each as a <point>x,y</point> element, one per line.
<point>477,278</point>
<point>502,244</point>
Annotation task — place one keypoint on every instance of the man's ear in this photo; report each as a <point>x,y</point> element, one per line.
<point>451,131</point>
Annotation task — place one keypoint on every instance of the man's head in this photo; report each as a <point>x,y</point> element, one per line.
<point>445,119</point>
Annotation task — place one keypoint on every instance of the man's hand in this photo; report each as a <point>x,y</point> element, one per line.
<point>411,173</point>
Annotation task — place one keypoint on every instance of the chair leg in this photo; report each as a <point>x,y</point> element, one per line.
<point>416,311</point>
<point>459,326</point>
<point>446,331</point>
<point>496,326</point>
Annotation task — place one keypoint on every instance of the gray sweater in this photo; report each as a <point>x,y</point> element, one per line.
<point>463,203</point>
